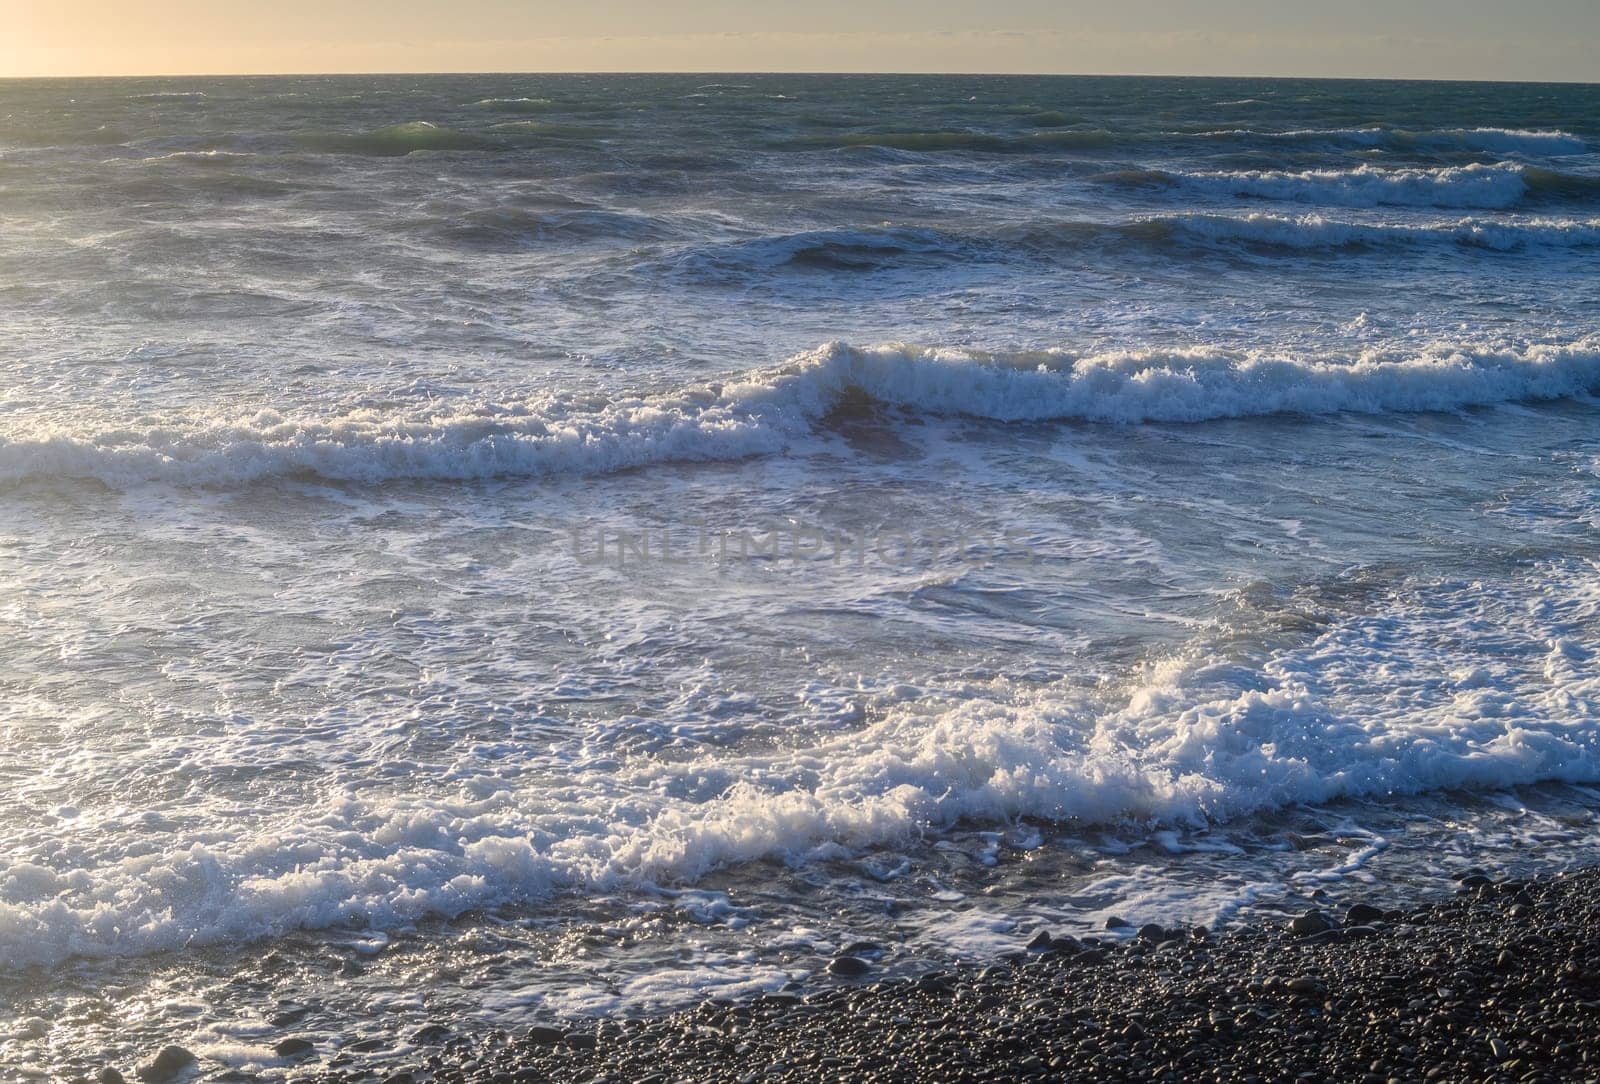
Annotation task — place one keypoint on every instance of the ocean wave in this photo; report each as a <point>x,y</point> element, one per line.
<point>211,157</point>
<point>516,105</point>
<point>43,136</point>
<point>1312,231</point>
<point>1051,119</point>
<point>394,141</point>
<point>767,411</point>
<point>550,130</point>
<point>1487,187</point>
<point>1446,684</point>
<point>977,142</point>
<point>1508,140</point>
<point>501,228</point>
<point>820,250</point>
<point>1494,140</point>
<point>1054,135</point>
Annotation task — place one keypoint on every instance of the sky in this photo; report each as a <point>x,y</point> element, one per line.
<point>1444,39</point>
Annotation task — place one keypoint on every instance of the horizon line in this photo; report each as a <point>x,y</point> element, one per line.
<point>807,72</point>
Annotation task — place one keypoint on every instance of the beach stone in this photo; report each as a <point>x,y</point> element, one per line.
<point>544,1035</point>
<point>1312,922</point>
<point>1306,986</point>
<point>580,1040</point>
<point>1117,923</point>
<point>166,1065</point>
<point>1362,914</point>
<point>1040,941</point>
<point>1151,931</point>
<point>430,1034</point>
<point>108,1075</point>
<point>294,1048</point>
<point>849,967</point>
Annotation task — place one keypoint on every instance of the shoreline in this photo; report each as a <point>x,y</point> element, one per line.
<point>1500,981</point>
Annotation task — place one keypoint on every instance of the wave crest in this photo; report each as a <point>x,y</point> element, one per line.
<point>767,411</point>
<point>1312,231</point>
<point>1492,140</point>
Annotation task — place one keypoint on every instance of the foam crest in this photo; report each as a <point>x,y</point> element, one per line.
<point>1315,231</point>
<point>766,411</point>
<point>1531,141</point>
<point>1495,187</point>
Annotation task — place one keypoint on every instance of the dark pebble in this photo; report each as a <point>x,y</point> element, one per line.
<point>166,1065</point>
<point>1454,990</point>
<point>1116,923</point>
<point>1363,914</point>
<point>544,1035</point>
<point>849,967</point>
<point>430,1035</point>
<point>1306,986</point>
<point>109,1075</point>
<point>294,1048</point>
<point>1150,931</point>
<point>1310,923</point>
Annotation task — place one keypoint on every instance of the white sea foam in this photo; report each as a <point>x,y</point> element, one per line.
<point>1493,140</point>
<point>1495,187</point>
<point>766,411</point>
<point>1432,685</point>
<point>1316,231</point>
<point>1509,140</point>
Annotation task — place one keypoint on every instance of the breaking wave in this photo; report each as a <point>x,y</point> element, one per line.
<point>1432,685</point>
<point>1487,187</point>
<point>1313,231</point>
<point>1492,140</point>
<point>766,411</point>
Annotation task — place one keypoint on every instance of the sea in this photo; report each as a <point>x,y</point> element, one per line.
<point>480,551</point>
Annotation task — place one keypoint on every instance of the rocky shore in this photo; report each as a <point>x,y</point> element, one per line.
<point>1499,982</point>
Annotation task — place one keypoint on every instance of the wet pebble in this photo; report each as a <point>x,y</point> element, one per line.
<point>166,1065</point>
<point>848,966</point>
